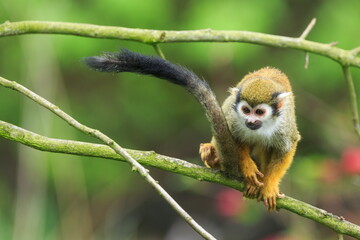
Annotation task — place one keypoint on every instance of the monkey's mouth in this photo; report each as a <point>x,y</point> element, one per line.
<point>253,125</point>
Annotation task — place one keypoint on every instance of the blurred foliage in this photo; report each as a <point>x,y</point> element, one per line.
<point>53,196</point>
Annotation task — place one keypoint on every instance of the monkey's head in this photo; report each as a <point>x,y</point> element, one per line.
<point>260,106</point>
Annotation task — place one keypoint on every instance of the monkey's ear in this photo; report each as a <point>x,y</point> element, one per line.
<point>233,90</point>
<point>284,95</point>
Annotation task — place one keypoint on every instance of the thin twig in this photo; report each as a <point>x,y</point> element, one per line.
<point>352,98</point>
<point>14,133</point>
<point>111,143</point>
<point>308,29</point>
<point>149,36</point>
<point>333,44</point>
<point>303,36</point>
<point>159,51</point>
<point>306,65</point>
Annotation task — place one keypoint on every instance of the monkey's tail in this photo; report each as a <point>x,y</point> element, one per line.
<point>127,61</point>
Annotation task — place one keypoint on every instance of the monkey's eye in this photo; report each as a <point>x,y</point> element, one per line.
<point>245,110</point>
<point>259,112</point>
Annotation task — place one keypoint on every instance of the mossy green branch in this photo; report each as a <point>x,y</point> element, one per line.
<point>344,57</point>
<point>147,158</point>
<point>170,164</point>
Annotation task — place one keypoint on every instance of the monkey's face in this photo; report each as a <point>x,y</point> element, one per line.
<point>261,120</point>
<point>258,119</point>
<point>255,117</point>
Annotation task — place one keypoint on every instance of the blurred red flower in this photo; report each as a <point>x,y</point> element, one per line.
<point>350,161</point>
<point>229,202</point>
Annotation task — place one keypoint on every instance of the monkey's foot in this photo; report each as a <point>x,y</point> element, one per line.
<point>252,174</point>
<point>269,195</point>
<point>208,155</point>
<point>251,191</point>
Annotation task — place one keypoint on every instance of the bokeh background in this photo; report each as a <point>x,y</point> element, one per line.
<point>54,196</point>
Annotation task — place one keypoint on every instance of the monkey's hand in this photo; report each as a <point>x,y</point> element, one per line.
<point>251,173</point>
<point>208,155</point>
<point>269,194</point>
<point>251,191</point>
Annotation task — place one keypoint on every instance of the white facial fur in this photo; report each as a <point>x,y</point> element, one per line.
<point>262,112</point>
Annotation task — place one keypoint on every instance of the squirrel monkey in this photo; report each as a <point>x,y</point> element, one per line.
<point>260,114</point>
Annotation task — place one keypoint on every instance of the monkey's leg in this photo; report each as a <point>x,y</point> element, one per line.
<point>250,172</point>
<point>209,156</point>
<point>274,172</point>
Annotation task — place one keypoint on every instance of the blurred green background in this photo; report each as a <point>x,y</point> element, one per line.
<point>54,196</point>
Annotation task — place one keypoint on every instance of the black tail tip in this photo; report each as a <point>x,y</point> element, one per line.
<point>111,62</point>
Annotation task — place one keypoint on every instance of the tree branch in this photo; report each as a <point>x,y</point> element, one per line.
<point>144,173</point>
<point>148,36</point>
<point>148,158</point>
<point>174,165</point>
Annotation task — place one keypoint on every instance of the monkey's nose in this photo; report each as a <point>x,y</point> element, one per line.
<point>254,125</point>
